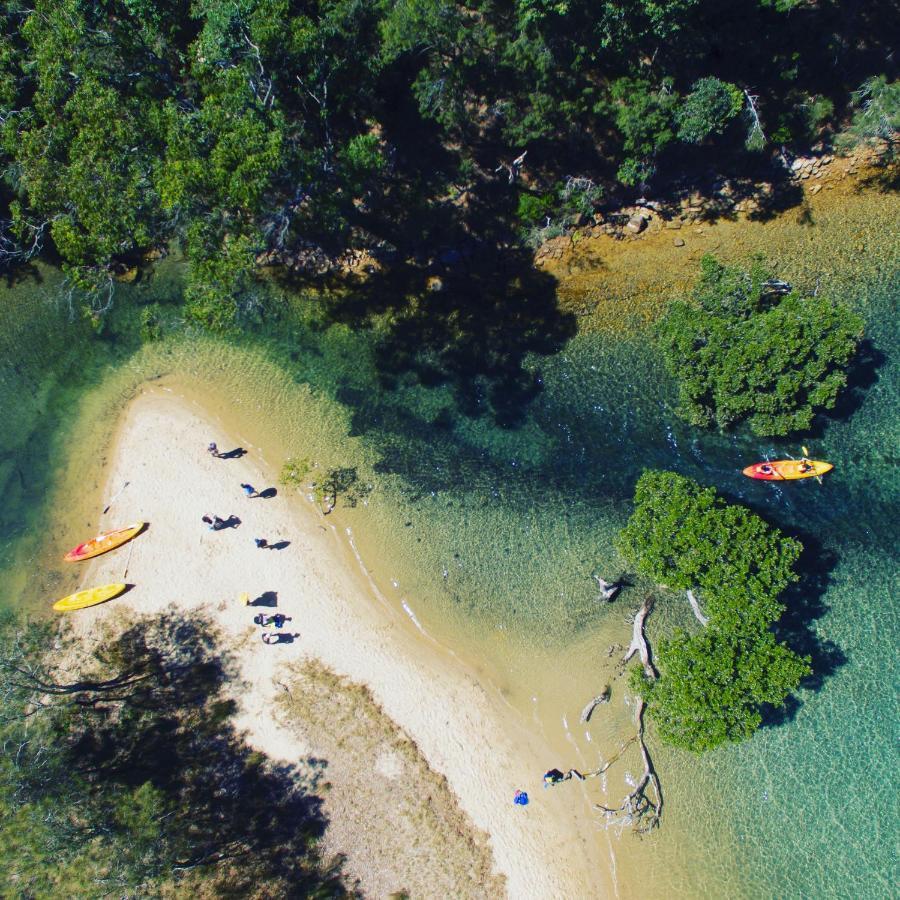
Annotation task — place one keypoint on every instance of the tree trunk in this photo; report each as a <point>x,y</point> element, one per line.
<point>639,641</point>
<point>695,606</point>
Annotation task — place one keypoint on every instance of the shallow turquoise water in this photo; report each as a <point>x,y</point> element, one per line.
<point>493,534</point>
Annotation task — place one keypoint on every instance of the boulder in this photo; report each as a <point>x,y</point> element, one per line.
<point>637,223</point>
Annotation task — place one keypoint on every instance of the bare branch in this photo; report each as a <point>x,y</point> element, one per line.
<point>642,808</point>
<point>639,641</point>
<point>695,606</point>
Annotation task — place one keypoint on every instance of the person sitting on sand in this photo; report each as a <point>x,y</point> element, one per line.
<point>554,776</point>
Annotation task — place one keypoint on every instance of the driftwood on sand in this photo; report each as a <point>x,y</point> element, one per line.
<point>593,704</point>
<point>642,808</point>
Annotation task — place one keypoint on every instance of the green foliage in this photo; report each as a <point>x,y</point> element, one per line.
<point>740,353</point>
<point>817,111</point>
<point>129,778</point>
<point>150,323</point>
<point>533,209</point>
<point>294,472</point>
<point>707,109</point>
<point>223,290</point>
<point>877,115</point>
<point>713,685</point>
<point>264,124</point>
<point>643,113</point>
<point>685,536</point>
<point>547,215</point>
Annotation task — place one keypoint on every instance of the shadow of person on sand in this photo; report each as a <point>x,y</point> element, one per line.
<point>268,493</point>
<point>269,637</point>
<point>278,545</point>
<point>267,598</point>
<point>237,453</point>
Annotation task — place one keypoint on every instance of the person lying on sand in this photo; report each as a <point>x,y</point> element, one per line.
<point>554,777</point>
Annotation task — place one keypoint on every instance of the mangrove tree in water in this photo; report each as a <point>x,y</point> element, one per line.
<point>748,348</point>
<point>713,686</point>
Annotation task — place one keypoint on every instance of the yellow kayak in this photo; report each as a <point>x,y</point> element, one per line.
<point>788,469</point>
<point>90,597</point>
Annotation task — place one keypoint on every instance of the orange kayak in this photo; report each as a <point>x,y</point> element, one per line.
<point>787,469</point>
<point>109,540</point>
<point>90,597</point>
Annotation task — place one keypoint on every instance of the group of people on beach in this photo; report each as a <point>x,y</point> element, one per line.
<point>216,523</point>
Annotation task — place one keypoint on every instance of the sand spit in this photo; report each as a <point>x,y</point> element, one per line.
<point>461,728</point>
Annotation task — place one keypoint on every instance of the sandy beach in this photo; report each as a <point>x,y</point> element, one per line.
<point>461,728</point>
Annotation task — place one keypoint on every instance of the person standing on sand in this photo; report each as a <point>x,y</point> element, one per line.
<point>214,450</point>
<point>249,490</point>
<point>261,543</point>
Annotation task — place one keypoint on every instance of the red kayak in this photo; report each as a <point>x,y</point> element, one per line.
<point>103,543</point>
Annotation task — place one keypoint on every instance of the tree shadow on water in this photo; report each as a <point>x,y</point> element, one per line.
<point>804,604</point>
<point>469,321</point>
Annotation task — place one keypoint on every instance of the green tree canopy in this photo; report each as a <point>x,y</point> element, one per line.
<point>876,114</point>
<point>743,352</point>
<point>712,685</point>
<point>707,109</point>
<point>685,536</point>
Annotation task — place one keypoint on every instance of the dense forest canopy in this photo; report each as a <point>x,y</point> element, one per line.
<point>249,126</point>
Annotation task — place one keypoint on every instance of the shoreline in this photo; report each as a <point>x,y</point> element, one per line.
<point>460,726</point>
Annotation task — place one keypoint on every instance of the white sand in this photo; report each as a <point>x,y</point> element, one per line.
<point>464,731</point>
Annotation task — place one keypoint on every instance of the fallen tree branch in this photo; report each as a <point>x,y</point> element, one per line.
<point>695,606</point>
<point>613,758</point>
<point>642,808</point>
<point>589,709</point>
<point>608,590</point>
<point>639,641</point>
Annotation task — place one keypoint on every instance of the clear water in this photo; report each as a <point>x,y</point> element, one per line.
<point>491,536</point>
